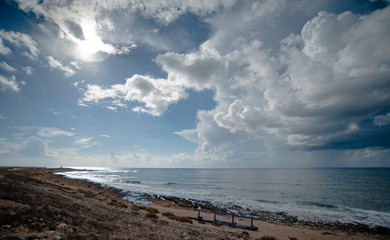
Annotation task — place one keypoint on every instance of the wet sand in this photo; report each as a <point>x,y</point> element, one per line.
<point>37,204</point>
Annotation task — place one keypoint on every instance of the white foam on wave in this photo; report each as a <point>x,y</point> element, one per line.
<point>311,211</point>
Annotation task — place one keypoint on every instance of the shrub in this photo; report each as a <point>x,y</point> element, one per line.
<point>177,218</point>
<point>135,208</point>
<point>183,219</point>
<point>151,210</point>
<point>151,215</point>
<point>117,204</point>
<point>168,214</point>
<point>121,205</point>
<point>268,238</point>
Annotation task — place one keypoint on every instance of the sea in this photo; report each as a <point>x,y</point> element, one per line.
<point>346,195</point>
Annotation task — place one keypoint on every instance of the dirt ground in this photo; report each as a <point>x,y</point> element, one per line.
<point>37,204</point>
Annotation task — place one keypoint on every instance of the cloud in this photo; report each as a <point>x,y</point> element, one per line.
<point>7,67</point>
<point>55,64</point>
<point>277,85</point>
<point>382,120</point>
<point>4,50</point>
<point>95,93</point>
<point>322,91</point>
<point>76,64</point>
<point>80,24</point>
<point>113,157</point>
<point>338,48</point>
<point>189,134</point>
<point>20,40</point>
<point>28,70</point>
<point>97,27</point>
<point>86,142</point>
<point>240,117</point>
<point>7,147</point>
<point>260,95</point>
<point>9,84</point>
<point>34,147</point>
<point>48,132</point>
<point>155,94</point>
<point>195,70</point>
<point>167,11</point>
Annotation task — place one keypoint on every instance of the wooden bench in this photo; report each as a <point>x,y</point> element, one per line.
<point>231,224</point>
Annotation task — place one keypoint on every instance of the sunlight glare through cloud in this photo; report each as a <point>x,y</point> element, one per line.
<point>92,43</point>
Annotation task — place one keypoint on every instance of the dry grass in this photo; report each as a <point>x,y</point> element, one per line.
<point>168,214</point>
<point>151,210</point>
<point>183,219</point>
<point>117,204</point>
<point>177,218</point>
<point>268,238</point>
<point>151,215</point>
<point>135,208</point>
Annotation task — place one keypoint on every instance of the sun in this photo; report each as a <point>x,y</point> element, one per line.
<point>92,43</point>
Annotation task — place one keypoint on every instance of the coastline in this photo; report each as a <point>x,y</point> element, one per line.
<point>37,203</point>
<point>267,216</point>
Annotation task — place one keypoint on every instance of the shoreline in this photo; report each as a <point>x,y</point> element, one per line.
<point>268,216</point>
<point>103,214</point>
<point>265,215</point>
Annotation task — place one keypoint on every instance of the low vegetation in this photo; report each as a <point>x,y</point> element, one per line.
<point>268,238</point>
<point>177,218</point>
<point>169,215</point>
<point>151,210</point>
<point>151,215</point>
<point>117,204</point>
<point>135,208</point>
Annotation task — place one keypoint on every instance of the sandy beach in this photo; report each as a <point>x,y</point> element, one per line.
<point>37,204</point>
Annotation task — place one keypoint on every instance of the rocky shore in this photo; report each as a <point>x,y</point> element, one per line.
<point>35,203</point>
<point>273,217</point>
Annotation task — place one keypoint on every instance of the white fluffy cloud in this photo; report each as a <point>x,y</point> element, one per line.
<point>28,70</point>
<point>20,40</point>
<point>155,95</point>
<point>240,117</point>
<point>324,84</point>
<point>7,67</point>
<point>98,27</point>
<point>55,64</point>
<point>309,95</point>
<point>80,24</point>
<point>350,59</point>
<point>316,93</point>
<point>195,70</point>
<point>9,84</point>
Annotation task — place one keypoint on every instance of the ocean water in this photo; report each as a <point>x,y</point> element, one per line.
<point>348,195</point>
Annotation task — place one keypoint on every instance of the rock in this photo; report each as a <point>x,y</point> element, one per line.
<point>64,228</point>
<point>184,235</point>
<point>57,237</point>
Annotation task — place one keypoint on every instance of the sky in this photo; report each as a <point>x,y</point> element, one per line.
<point>195,84</point>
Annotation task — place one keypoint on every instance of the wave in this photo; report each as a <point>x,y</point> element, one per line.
<point>171,183</point>
<point>230,195</point>
<point>265,201</point>
<point>133,182</point>
<point>317,204</point>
